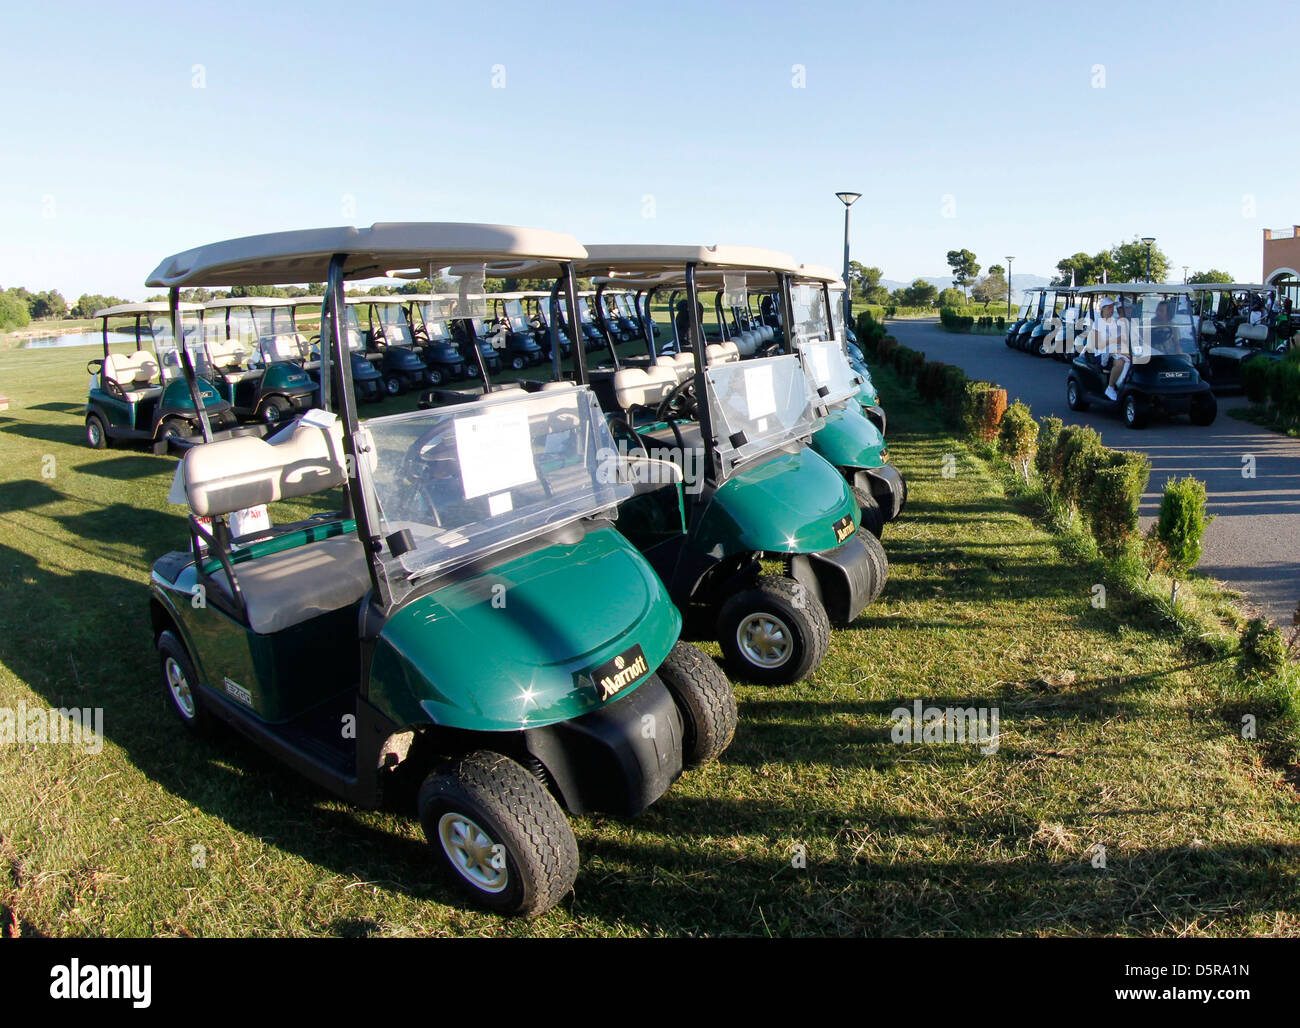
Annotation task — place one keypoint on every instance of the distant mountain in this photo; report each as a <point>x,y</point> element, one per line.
<point>1019,282</point>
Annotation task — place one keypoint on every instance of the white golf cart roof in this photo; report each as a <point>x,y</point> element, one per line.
<point>820,273</point>
<point>152,307</point>
<point>1131,287</point>
<point>248,301</point>
<point>381,299</point>
<point>1228,287</point>
<point>304,255</point>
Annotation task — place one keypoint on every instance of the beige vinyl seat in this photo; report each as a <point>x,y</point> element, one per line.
<point>283,589</point>
<point>135,373</point>
<point>1255,333</point>
<point>721,353</point>
<point>644,389</point>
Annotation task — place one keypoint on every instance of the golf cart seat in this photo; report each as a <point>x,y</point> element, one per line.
<point>279,590</point>
<point>1258,333</point>
<point>135,373</point>
<point>680,369</point>
<point>1209,329</point>
<point>721,353</point>
<point>634,387</point>
<point>226,354</point>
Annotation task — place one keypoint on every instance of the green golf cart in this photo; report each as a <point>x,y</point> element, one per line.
<point>754,534</point>
<point>469,619</point>
<point>141,395</point>
<point>254,356</point>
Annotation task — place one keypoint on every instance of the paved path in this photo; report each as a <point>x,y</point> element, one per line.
<point>1253,543</point>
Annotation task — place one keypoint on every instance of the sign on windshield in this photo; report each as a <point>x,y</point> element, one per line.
<point>474,478</point>
<point>757,406</point>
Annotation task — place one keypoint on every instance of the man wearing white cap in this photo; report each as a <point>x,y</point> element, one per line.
<point>1111,346</point>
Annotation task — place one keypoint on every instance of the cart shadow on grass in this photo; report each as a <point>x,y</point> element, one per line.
<point>69,435</point>
<point>1021,890</point>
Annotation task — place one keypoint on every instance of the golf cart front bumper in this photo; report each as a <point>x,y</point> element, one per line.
<point>886,486</point>
<point>839,578</point>
<point>876,415</point>
<point>604,762</point>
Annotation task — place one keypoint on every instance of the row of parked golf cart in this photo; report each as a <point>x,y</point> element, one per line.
<point>1184,344</point>
<point>499,601</point>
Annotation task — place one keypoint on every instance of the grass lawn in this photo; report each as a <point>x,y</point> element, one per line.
<point>1109,737</point>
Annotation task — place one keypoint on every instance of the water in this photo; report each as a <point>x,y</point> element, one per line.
<point>77,339</point>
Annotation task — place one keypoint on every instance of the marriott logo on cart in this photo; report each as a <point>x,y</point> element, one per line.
<point>623,670</point>
<point>111,981</point>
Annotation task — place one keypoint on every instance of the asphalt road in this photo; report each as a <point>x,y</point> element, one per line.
<point>1253,544</point>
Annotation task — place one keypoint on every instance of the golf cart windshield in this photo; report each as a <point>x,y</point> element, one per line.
<point>352,326</point>
<point>474,478</point>
<point>1160,324</point>
<point>828,369</point>
<point>810,315</point>
<point>164,344</point>
<point>277,339</point>
<point>757,406</point>
<point>515,315</point>
<point>393,320</point>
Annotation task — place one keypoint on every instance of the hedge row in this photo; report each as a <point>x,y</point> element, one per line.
<point>1275,385</point>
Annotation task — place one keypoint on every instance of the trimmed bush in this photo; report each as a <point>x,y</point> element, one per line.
<point>930,380</point>
<point>1180,527</point>
<point>982,410</point>
<point>1048,433</point>
<point>1255,381</point>
<point>1018,437</point>
<point>950,320</point>
<point>1113,499</point>
<point>908,363</point>
<point>1080,454</point>
<point>1263,650</point>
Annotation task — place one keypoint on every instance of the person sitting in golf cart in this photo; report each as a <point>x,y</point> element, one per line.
<point>1110,343</point>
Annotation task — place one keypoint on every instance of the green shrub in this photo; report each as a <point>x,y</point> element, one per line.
<point>1263,650</point>
<point>1255,380</point>
<point>908,363</point>
<point>1081,453</point>
<point>1284,390</point>
<point>1048,433</point>
<point>1113,498</point>
<point>1180,526</point>
<point>982,410</point>
<point>1018,438</point>
<point>930,380</point>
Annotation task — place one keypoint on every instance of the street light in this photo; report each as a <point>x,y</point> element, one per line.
<point>1185,274</point>
<point>847,199</point>
<point>1148,240</point>
<point>1009,260</point>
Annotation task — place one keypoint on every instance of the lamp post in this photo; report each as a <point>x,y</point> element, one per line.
<point>1009,260</point>
<point>1148,240</point>
<point>847,199</point>
<point>1185,274</point>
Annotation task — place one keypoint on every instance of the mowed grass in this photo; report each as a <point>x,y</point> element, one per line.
<point>1108,737</point>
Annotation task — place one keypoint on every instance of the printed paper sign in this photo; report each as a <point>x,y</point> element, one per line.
<point>821,365</point>
<point>760,392</point>
<point>500,504</point>
<point>495,451</point>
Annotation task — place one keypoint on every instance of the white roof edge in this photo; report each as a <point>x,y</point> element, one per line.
<point>1132,287</point>
<point>1235,286</point>
<point>613,256</point>
<point>284,258</point>
<point>152,307</point>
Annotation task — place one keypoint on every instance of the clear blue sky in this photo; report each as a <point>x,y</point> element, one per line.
<point>112,159</point>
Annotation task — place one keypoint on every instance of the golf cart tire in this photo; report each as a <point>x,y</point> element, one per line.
<point>273,410</point>
<point>1205,411</point>
<point>518,363</point>
<point>516,812</point>
<point>1135,411</point>
<point>706,700</point>
<point>879,566</point>
<point>96,433</point>
<point>435,377</point>
<point>799,611</point>
<point>873,518</point>
<point>1074,395</point>
<point>393,385</point>
<point>173,654</point>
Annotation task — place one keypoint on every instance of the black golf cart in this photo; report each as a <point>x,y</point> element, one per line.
<point>1151,325</point>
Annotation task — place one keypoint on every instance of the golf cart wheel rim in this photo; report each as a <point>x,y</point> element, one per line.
<point>1074,393</point>
<point>179,687</point>
<point>1130,408</point>
<point>764,639</point>
<point>470,850</point>
<point>271,414</point>
<point>93,432</point>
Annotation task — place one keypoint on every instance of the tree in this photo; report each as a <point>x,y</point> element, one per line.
<point>1087,270</point>
<point>13,311</point>
<point>1130,260</point>
<point>992,287</point>
<point>951,297</point>
<point>919,294</point>
<point>1213,275</point>
<point>964,269</point>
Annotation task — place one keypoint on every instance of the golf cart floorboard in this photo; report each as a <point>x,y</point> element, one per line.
<point>300,742</point>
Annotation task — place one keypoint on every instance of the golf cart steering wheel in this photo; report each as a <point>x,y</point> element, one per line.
<point>681,404</point>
